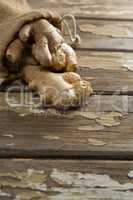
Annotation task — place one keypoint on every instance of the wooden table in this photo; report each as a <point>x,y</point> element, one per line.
<point>87,153</point>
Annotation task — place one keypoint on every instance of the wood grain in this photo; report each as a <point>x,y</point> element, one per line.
<point>92,9</point>
<point>109,72</point>
<point>21,103</point>
<point>102,128</point>
<point>106,35</point>
<point>65,179</point>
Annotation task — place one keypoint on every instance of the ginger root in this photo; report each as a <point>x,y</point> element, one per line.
<point>48,48</point>
<point>48,54</point>
<point>14,51</point>
<point>60,90</point>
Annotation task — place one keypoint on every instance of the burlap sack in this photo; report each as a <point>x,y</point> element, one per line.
<point>13,15</point>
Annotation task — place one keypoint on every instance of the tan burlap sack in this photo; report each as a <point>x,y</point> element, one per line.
<point>13,15</point>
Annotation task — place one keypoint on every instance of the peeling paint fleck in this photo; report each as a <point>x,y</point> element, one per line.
<point>48,137</point>
<point>109,119</point>
<point>96,142</point>
<point>8,135</point>
<point>108,30</point>
<point>130,174</point>
<point>102,119</point>
<point>4,194</point>
<point>77,186</point>
<point>88,115</point>
<point>11,144</point>
<point>30,179</point>
<point>77,179</point>
<point>91,128</point>
<point>128,65</point>
<point>26,195</point>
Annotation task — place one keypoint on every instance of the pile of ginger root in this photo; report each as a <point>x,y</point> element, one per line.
<point>47,64</point>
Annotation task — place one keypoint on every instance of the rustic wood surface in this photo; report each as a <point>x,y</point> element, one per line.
<point>106,35</point>
<point>86,153</point>
<point>66,180</point>
<point>114,67</point>
<point>100,9</point>
<point>102,128</point>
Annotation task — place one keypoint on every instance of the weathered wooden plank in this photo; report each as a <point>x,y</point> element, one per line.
<point>65,179</point>
<point>24,103</point>
<point>106,35</point>
<point>102,128</point>
<point>86,8</point>
<point>110,72</point>
<point>102,34</point>
<point>109,81</point>
<point>105,60</point>
<point>107,28</point>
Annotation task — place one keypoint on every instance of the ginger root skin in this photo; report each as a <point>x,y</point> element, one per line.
<point>15,51</point>
<point>60,90</point>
